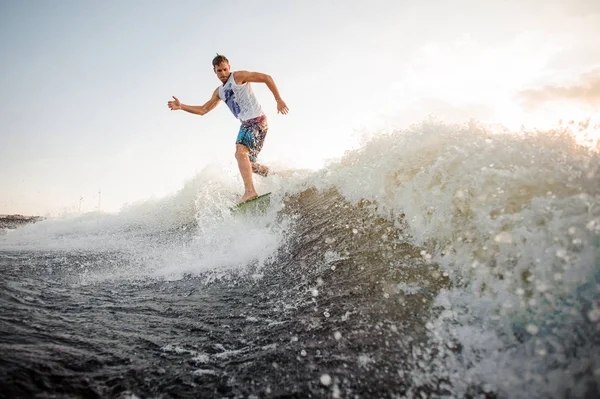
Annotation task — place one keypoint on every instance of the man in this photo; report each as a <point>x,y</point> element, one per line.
<point>239,97</point>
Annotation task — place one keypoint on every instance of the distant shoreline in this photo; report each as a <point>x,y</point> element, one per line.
<point>14,221</point>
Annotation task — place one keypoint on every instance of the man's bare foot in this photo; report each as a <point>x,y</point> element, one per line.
<point>260,170</point>
<point>289,172</point>
<point>248,196</point>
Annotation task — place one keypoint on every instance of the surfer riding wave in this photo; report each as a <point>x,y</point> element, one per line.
<point>237,93</point>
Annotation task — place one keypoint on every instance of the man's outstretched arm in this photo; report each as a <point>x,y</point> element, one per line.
<point>245,76</point>
<point>175,104</point>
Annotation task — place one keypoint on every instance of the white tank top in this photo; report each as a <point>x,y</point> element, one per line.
<point>240,99</point>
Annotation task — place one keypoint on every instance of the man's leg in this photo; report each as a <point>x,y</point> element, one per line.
<point>241,155</point>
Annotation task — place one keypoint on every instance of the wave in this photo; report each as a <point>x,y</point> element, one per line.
<point>513,220</point>
<point>496,233</point>
<point>485,206</point>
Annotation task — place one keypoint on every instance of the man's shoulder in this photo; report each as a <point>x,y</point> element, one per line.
<point>239,77</point>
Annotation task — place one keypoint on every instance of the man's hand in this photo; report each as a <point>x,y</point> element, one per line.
<point>281,107</point>
<point>175,104</point>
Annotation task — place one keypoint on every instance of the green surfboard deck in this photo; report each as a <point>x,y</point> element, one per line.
<point>258,203</point>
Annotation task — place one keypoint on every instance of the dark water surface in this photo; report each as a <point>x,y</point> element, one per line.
<point>298,327</point>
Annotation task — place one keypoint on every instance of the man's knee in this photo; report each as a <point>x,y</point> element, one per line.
<point>241,151</point>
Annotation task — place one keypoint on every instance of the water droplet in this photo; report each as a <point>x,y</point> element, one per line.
<point>314,292</point>
<point>532,329</point>
<point>504,238</point>
<point>336,394</point>
<point>541,351</point>
<point>302,352</point>
<point>337,335</point>
<point>591,225</point>
<point>325,379</point>
<point>326,314</point>
<point>541,287</point>
<point>594,315</point>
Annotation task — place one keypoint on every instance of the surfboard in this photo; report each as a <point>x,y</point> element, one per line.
<point>257,203</point>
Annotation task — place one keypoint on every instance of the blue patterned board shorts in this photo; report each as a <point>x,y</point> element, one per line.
<point>252,134</point>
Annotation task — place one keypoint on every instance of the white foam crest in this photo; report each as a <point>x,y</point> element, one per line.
<point>98,230</point>
<point>189,232</point>
<point>226,242</point>
<point>485,204</point>
<point>512,218</point>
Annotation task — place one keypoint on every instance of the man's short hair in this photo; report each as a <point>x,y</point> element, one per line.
<point>219,59</point>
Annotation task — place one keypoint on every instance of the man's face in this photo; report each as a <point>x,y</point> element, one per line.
<point>222,71</point>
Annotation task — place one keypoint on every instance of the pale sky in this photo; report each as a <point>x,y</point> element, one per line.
<point>85,83</point>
